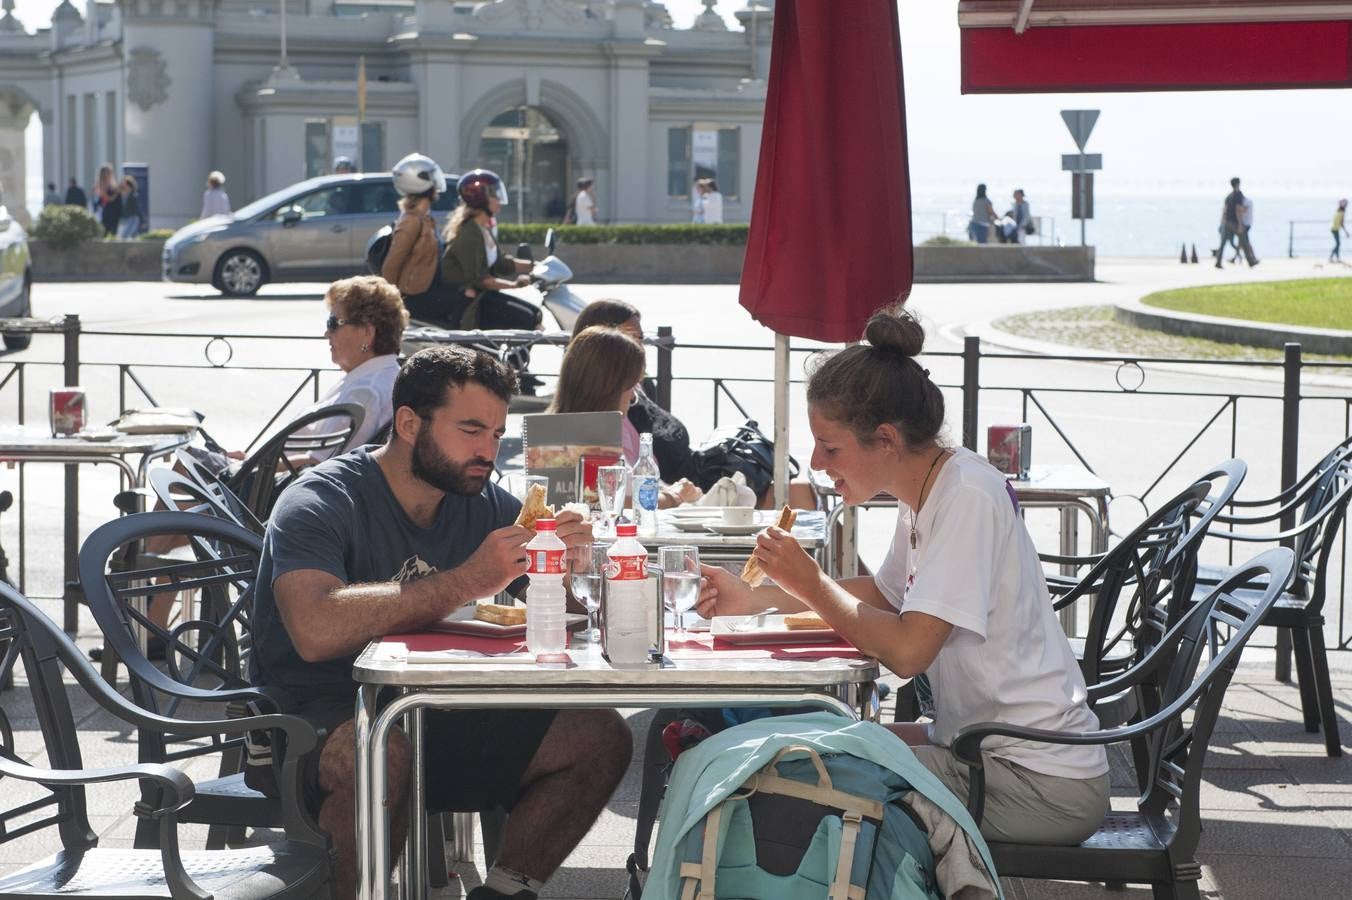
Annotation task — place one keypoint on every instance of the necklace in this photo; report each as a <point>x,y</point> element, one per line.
<point>915,513</point>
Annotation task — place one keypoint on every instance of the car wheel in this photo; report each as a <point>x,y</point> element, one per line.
<point>21,341</point>
<point>240,273</point>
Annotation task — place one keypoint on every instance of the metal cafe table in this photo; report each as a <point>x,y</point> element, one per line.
<point>679,526</point>
<point>36,444</point>
<point>697,672</point>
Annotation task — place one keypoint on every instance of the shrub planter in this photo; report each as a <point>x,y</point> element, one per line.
<point>1273,335</point>
<point>97,261</point>
<point>1003,263</point>
<point>651,263</point>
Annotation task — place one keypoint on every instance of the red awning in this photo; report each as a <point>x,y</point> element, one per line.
<point>830,237</point>
<point>1030,46</point>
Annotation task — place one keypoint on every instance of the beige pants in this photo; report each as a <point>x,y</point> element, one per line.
<point>1023,806</point>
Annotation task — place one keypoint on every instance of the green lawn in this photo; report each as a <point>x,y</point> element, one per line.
<point>1312,302</point>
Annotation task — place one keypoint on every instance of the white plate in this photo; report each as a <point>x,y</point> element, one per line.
<point>689,525</point>
<point>460,622</point>
<point>772,632</point>
<point>734,530</point>
<point>99,434</point>
<point>696,512</point>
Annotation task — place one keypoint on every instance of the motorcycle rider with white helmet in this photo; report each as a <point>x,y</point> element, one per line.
<point>413,260</point>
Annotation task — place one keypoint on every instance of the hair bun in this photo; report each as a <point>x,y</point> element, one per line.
<point>896,331</point>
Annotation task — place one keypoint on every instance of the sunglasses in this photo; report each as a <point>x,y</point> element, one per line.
<point>333,323</point>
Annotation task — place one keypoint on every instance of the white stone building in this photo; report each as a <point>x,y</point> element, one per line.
<point>543,91</point>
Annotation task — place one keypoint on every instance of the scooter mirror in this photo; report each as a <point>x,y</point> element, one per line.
<point>551,241</point>
<point>523,251</point>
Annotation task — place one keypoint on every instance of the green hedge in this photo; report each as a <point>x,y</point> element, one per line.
<point>157,234</point>
<point>624,234</point>
<point>66,226</point>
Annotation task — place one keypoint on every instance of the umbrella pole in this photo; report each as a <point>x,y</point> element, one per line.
<point>781,486</point>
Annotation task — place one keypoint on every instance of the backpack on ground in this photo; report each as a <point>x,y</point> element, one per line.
<point>803,808</point>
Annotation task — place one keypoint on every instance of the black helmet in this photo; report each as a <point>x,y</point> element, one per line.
<point>476,185</point>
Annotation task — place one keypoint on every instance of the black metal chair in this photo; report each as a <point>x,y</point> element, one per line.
<point>1157,843</point>
<point>284,456</point>
<point>1320,498</point>
<point>299,865</point>
<point>195,492</point>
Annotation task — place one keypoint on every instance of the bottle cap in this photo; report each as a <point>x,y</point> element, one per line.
<point>626,529</point>
<point>545,525</point>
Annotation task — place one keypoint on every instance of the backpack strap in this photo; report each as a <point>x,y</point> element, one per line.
<point>841,889</point>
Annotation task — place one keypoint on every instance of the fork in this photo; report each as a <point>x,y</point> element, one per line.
<point>748,623</point>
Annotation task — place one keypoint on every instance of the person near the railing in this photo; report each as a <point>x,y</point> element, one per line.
<point>983,217</point>
<point>601,371</point>
<point>386,540</point>
<point>364,329</point>
<point>1339,225</point>
<point>960,596</point>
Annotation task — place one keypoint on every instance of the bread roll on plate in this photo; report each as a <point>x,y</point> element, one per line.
<point>499,614</point>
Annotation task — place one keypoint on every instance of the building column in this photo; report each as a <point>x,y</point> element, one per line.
<point>626,197</point>
<point>168,100</point>
<point>14,118</point>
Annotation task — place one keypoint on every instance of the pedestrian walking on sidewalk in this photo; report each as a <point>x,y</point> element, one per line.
<point>1232,225</point>
<point>1339,225</point>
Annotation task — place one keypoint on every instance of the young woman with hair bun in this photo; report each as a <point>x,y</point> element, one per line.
<point>960,597</point>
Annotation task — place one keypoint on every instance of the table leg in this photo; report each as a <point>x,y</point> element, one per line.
<point>849,542</point>
<point>366,710</point>
<point>413,872</point>
<point>70,589</point>
<point>1070,542</point>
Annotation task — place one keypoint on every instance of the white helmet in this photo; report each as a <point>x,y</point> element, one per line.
<point>418,174</point>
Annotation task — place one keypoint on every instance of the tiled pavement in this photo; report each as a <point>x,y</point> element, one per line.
<point>1277,813</point>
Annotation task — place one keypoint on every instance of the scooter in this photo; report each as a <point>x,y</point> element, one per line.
<point>549,279</point>
<point>549,283</point>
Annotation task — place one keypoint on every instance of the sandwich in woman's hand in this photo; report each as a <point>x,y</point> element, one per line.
<point>534,508</point>
<point>752,573</point>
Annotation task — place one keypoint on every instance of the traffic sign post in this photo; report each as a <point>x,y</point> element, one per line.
<point>1080,123</point>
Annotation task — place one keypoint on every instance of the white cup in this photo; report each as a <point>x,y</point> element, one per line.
<point>739,515</point>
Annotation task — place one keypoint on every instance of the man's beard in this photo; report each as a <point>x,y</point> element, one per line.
<point>432,466</point>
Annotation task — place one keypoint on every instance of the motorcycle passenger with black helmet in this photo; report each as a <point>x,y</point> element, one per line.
<point>473,265</point>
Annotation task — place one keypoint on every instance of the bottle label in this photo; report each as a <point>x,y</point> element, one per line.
<point>627,568</point>
<point>545,562</point>
<point>647,493</point>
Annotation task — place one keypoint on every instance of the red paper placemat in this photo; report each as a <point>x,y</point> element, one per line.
<point>690,646</point>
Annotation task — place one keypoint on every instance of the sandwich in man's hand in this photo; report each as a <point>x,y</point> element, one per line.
<point>752,573</point>
<point>534,508</point>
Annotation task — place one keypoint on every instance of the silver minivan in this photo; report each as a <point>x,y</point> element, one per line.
<point>312,231</point>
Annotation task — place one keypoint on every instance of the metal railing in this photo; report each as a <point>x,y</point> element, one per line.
<point>1308,237</point>
<point>1280,418</point>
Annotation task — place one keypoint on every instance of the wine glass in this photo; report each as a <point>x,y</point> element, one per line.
<point>611,482</point>
<point>587,575</point>
<point>680,580</point>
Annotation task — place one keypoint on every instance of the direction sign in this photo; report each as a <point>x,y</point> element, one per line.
<point>1081,123</point>
<point>1081,162</point>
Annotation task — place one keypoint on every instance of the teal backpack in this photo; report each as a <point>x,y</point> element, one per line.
<point>799,808</point>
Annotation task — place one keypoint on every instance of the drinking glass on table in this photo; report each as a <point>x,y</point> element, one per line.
<point>588,573</point>
<point>611,482</point>
<point>680,580</point>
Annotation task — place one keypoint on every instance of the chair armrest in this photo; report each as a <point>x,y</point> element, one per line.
<point>1058,560</point>
<point>177,788</point>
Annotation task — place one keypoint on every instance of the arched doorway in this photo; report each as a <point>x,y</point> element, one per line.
<point>527,148</point>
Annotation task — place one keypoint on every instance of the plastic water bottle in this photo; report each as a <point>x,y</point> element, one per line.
<point>546,627</point>
<point>646,483</point>
<point>626,616</point>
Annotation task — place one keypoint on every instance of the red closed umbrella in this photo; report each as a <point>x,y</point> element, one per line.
<point>830,237</point>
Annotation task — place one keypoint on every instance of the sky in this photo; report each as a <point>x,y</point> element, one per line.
<point>1283,143</point>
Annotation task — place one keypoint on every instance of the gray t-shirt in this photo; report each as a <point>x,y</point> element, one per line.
<point>342,518</point>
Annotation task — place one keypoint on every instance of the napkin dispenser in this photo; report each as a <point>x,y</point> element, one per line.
<point>1010,448</point>
<point>654,605</point>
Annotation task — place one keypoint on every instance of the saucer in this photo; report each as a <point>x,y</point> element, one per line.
<point>734,530</point>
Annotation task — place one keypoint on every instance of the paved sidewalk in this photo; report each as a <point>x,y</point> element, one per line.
<point>1277,813</point>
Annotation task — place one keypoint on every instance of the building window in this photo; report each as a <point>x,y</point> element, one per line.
<point>372,146</point>
<point>703,151</point>
<point>316,148</point>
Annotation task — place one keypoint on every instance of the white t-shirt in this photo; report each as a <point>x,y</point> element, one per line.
<point>1006,659</point>
<point>711,208</point>
<point>370,386</point>
<point>584,209</point>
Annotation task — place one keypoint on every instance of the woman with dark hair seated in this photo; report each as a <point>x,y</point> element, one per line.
<point>601,371</point>
<point>671,440</point>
